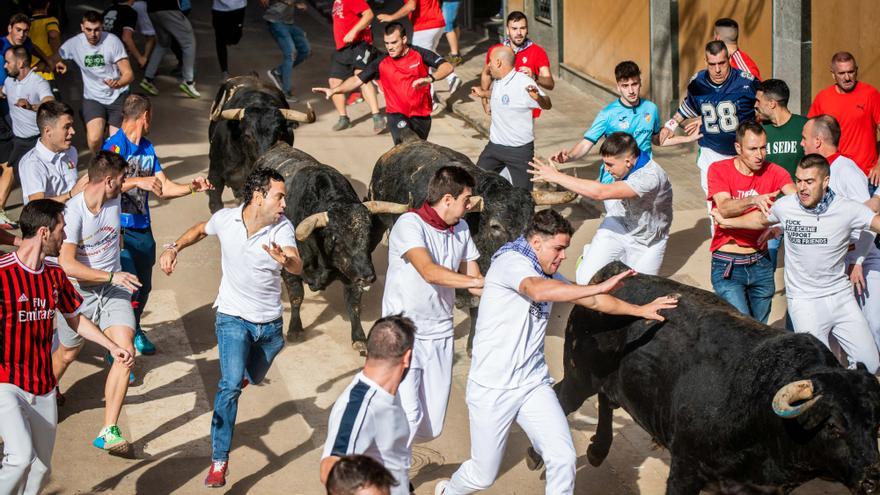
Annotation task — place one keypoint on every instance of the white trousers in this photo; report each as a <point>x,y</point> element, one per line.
<point>705,159</point>
<point>424,392</point>
<point>608,245</point>
<point>838,315</point>
<point>27,425</point>
<point>537,411</point>
<point>869,301</point>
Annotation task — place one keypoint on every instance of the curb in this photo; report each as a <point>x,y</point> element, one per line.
<point>477,124</point>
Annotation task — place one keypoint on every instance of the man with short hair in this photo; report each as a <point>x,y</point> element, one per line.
<point>430,254</point>
<point>722,98</point>
<point>742,272</point>
<point>531,59</point>
<point>106,72</point>
<point>257,241</point>
<point>368,418</point>
<point>34,290</point>
<point>25,90</point>
<point>638,207</point>
<point>727,30</point>
<point>171,25</point>
<point>509,379</point>
<point>512,132</point>
<point>359,475</point>
<point>45,33</point>
<point>143,176</point>
<point>406,80</point>
<point>90,255</point>
<point>49,169</point>
<point>856,106</point>
<point>818,225</point>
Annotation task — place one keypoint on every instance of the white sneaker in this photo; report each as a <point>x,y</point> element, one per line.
<point>455,82</point>
<point>440,487</point>
<point>189,89</point>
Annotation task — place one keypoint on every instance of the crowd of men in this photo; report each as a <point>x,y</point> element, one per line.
<point>84,259</point>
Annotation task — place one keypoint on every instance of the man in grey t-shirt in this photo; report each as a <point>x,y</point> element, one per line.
<point>638,207</point>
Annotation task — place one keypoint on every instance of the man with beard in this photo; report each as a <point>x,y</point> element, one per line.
<point>25,90</point>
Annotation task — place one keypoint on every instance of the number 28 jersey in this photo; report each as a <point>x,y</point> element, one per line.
<point>722,107</point>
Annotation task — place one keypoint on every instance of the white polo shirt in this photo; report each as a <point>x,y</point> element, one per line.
<point>512,121</point>
<point>509,340</point>
<point>251,284</point>
<point>96,63</point>
<point>32,88</point>
<point>96,236</point>
<point>47,172</point>
<point>367,420</point>
<point>815,245</point>
<point>430,306</point>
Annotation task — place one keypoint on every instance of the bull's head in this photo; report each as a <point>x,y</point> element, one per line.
<point>834,419</point>
<point>343,233</point>
<point>259,127</point>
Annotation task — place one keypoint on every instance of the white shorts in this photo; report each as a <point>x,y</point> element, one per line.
<point>706,158</point>
<point>424,392</point>
<point>427,38</point>
<point>838,315</point>
<point>608,245</point>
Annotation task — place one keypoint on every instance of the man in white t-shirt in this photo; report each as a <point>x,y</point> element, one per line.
<point>818,226</point>
<point>24,90</point>
<point>430,254</point>
<point>638,207</point>
<point>256,242</point>
<point>512,133</point>
<point>90,256</point>
<point>368,418</point>
<point>106,73</point>
<point>49,169</point>
<point>509,379</point>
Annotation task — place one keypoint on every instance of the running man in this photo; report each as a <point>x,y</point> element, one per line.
<point>724,97</point>
<point>34,290</point>
<point>430,254</point>
<point>25,90</point>
<point>171,25</point>
<point>143,176</point>
<point>227,19</point>
<point>368,418</point>
<point>727,30</point>
<point>509,379</point>
<point>106,72</point>
<point>818,225</point>
<point>406,78</point>
<point>638,216</point>
<point>90,255</point>
<point>256,242</point>
<point>121,19</point>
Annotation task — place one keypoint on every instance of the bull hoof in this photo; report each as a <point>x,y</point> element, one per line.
<point>360,347</point>
<point>294,337</point>
<point>533,461</point>
<point>596,455</point>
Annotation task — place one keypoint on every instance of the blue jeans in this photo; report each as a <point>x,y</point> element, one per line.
<point>246,350</point>
<point>138,257</point>
<point>290,39</point>
<point>749,288</point>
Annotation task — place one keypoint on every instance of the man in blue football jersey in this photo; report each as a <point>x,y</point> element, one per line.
<point>722,97</point>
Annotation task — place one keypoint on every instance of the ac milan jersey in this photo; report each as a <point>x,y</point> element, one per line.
<point>722,107</point>
<point>29,300</point>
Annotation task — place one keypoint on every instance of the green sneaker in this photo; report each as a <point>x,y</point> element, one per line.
<point>149,87</point>
<point>341,124</point>
<point>111,440</point>
<point>190,89</point>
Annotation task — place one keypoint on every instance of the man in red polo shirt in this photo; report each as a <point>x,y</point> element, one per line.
<point>742,273</point>
<point>405,76</point>
<point>531,59</point>
<point>856,106</point>
<point>727,30</point>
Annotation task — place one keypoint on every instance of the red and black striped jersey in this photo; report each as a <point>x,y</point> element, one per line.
<point>29,300</point>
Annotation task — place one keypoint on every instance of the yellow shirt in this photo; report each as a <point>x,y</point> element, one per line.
<point>41,26</point>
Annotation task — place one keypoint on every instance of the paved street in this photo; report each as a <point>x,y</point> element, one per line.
<point>282,423</point>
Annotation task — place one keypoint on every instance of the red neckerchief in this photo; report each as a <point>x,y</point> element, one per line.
<point>833,157</point>
<point>430,216</point>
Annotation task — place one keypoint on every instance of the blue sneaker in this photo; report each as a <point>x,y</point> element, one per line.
<point>143,344</point>
<point>111,440</point>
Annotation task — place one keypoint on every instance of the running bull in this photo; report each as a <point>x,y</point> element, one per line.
<point>741,407</point>
<point>332,233</point>
<point>501,214</point>
<point>248,116</point>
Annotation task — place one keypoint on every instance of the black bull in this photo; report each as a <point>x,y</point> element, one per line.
<point>741,407</point>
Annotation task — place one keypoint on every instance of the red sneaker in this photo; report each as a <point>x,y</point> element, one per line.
<point>244,383</point>
<point>217,474</point>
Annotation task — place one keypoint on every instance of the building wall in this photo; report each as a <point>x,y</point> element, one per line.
<point>595,39</point>
<point>696,19</point>
<point>860,37</point>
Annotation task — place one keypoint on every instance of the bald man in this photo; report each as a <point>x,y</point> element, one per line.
<point>512,134</point>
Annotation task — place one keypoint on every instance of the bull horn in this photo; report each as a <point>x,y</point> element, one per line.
<point>310,223</point>
<point>801,390</point>
<point>232,114</point>
<point>477,204</point>
<point>377,207</point>
<point>544,198</point>
<point>291,114</point>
